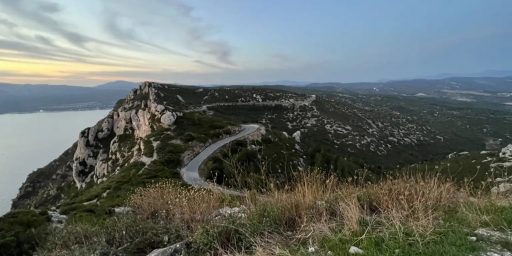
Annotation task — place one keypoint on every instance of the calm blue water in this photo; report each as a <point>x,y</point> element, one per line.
<point>30,141</point>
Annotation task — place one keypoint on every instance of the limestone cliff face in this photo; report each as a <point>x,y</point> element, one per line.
<point>100,150</point>
<point>117,139</point>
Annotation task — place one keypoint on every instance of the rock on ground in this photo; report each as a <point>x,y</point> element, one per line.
<point>173,250</point>
<point>355,250</point>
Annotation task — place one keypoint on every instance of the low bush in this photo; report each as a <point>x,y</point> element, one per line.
<point>120,235</point>
<point>172,202</point>
<point>22,231</point>
<point>413,214</point>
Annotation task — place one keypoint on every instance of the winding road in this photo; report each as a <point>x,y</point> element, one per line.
<point>190,173</point>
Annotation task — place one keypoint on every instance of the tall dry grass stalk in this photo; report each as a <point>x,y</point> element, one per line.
<point>413,201</point>
<point>315,205</point>
<point>169,201</point>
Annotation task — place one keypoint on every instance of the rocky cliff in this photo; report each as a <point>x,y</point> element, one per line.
<point>103,149</point>
<point>140,140</point>
<point>100,150</point>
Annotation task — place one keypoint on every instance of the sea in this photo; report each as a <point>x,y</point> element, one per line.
<point>32,140</point>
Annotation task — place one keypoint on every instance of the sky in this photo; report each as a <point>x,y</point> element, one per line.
<point>79,42</point>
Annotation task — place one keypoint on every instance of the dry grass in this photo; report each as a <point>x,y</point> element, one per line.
<point>171,202</point>
<point>311,208</point>
<point>482,209</point>
<point>315,205</point>
<point>303,203</point>
<point>413,201</point>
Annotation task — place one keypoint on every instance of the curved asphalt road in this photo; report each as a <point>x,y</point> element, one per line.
<point>190,173</point>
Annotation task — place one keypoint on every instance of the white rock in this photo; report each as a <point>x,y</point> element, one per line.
<point>122,210</point>
<point>355,250</point>
<point>102,165</point>
<point>493,236</point>
<point>239,212</point>
<point>175,249</point>
<point>160,108</point>
<point>506,152</point>
<point>168,119</point>
<point>57,219</point>
<point>296,136</point>
<point>106,128</point>
<point>496,252</point>
<point>503,187</point>
<point>140,123</point>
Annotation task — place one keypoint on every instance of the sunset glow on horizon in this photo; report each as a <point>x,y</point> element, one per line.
<point>229,41</point>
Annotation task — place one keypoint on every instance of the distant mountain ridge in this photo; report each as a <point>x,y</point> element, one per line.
<point>31,98</point>
<point>492,84</point>
<point>15,98</point>
<point>118,85</point>
<point>482,89</point>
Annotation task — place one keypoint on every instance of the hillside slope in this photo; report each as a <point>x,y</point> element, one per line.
<point>158,128</point>
<point>321,172</point>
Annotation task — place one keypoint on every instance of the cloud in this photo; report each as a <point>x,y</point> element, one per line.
<point>7,23</point>
<point>198,35</point>
<point>166,35</point>
<point>30,52</point>
<point>208,64</point>
<point>45,40</point>
<point>124,33</point>
<point>281,57</point>
<point>170,21</point>
<point>41,14</point>
<point>48,7</point>
<point>220,49</point>
<point>39,34</point>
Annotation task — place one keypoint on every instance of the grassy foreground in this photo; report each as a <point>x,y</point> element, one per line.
<point>317,215</point>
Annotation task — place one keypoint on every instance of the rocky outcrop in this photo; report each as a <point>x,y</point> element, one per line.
<point>118,137</point>
<point>494,241</point>
<point>506,152</point>
<point>503,184</point>
<point>296,136</point>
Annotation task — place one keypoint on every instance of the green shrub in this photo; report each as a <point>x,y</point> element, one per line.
<point>149,149</point>
<point>121,235</point>
<point>21,231</point>
<point>229,236</point>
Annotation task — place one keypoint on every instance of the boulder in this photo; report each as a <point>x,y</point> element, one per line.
<point>296,136</point>
<point>355,250</point>
<point>173,250</point>
<point>506,152</point>
<point>226,212</point>
<point>493,236</point>
<point>501,188</point>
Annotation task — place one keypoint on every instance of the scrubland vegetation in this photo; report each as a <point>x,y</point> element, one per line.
<point>315,181</point>
<point>314,215</point>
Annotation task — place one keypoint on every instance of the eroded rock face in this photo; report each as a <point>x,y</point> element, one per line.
<point>296,135</point>
<point>85,155</point>
<point>100,149</point>
<point>168,119</point>
<point>506,152</point>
